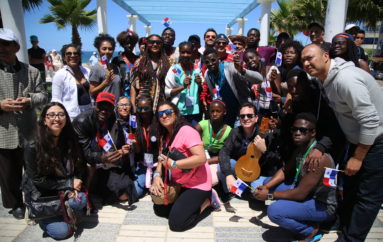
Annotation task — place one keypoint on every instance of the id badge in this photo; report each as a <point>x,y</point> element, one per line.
<point>148,159</point>
<point>207,154</point>
<point>189,101</point>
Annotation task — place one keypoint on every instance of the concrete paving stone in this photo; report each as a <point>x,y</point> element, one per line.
<point>238,235</point>
<point>17,227</point>
<point>135,239</point>
<point>6,239</point>
<point>11,220</point>
<point>143,228</point>
<point>151,234</point>
<point>190,235</point>
<point>374,236</point>
<point>239,240</point>
<point>239,230</point>
<point>188,240</point>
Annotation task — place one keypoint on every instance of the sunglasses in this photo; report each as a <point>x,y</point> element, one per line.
<point>60,115</point>
<point>166,112</point>
<point>71,53</point>
<point>221,43</point>
<point>143,109</point>
<point>248,115</point>
<point>301,129</point>
<point>152,42</point>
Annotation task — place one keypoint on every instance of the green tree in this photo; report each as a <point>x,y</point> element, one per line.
<point>29,5</point>
<point>70,12</point>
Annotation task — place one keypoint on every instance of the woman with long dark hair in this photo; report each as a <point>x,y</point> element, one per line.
<point>343,46</point>
<point>192,173</point>
<point>54,166</point>
<point>70,85</point>
<point>150,71</point>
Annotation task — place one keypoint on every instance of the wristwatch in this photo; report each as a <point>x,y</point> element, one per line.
<point>270,196</point>
<point>174,164</point>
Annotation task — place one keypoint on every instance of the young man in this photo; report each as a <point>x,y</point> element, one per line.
<point>227,81</point>
<point>37,56</point>
<point>359,39</point>
<point>220,45</point>
<point>303,201</point>
<point>21,92</point>
<point>236,145</point>
<point>253,37</point>
<point>316,33</point>
<point>355,98</point>
<point>169,36</point>
<point>183,84</point>
<point>209,38</point>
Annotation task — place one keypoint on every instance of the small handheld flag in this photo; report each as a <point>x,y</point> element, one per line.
<point>132,121</point>
<point>104,61</point>
<point>231,47</point>
<point>166,22</point>
<point>329,177</point>
<point>238,187</point>
<point>278,59</point>
<point>106,142</point>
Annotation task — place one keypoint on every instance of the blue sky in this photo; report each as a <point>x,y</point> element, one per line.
<point>52,38</point>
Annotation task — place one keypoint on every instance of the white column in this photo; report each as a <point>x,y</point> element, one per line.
<point>241,25</point>
<point>102,23</point>
<point>132,22</point>
<point>228,30</point>
<point>13,18</point>
<point>148,29</point>
<point>335,18</point>
<point>265,22</point>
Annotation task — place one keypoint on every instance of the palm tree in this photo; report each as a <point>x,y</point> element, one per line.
<point>29,5</point>
<point>70,12</point>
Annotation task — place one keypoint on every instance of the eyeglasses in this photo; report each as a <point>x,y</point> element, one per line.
<point>248,115</point>
<point>359,37</point>
<point>60,115</point>
<point>301,129</point>
<point>221,43</point>
<point>123,105</point>
<point>145,109</point>
<point>71,53</point>
<point>166,112</point>
<point>152,42</point>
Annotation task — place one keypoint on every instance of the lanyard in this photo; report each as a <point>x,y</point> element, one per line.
<point>299,162</point>
<point>211,134</point>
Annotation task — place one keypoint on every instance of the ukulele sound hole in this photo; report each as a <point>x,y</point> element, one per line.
<point>252,156</point>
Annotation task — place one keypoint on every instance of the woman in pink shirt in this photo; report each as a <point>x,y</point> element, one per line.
<point>192,173</point>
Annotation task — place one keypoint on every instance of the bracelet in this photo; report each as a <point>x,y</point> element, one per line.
<point>156,173</point>
<point>174,164</point>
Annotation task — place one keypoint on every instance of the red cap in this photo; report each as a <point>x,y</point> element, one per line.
<point>105,97</point>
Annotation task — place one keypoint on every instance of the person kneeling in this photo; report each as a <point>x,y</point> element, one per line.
<point>303,201</point>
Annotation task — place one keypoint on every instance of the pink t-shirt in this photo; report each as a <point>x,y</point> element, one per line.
<point>199,177</point>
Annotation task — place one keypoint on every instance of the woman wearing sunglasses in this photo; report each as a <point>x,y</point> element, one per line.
<point>105,76</point>
<point>146,147</point>
<point>54,166</point>
<point>191,173</point>
<point>150,72</point>
<point>70,85</point>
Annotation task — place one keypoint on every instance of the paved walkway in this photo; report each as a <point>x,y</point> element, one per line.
<point>138,223</point>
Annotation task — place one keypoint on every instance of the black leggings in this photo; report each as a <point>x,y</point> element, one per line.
<point>184,213</point>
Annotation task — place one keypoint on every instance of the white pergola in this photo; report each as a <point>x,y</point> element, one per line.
<point>196,11</point>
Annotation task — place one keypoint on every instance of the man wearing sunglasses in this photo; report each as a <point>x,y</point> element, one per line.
<point>236,145</point>
<point>21,91</point>
<point>303,201</point>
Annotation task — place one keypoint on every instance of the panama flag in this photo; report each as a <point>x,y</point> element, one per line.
<point>166,22</point>
<point>104,61</point>
<point>132,121</point>
<point>176,71</point>
<point>231,48</point>
<point>106,142</point>
<point>329,177</point>
<point>238,187</point>
<point>129,137</point>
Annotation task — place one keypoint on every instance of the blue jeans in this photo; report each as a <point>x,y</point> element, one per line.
<point>222,177</point>
<point>58,229</point>
<point>298,217</point>
<point>139,181</point>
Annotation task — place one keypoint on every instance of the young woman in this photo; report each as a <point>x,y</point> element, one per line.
<point>146,147</point>
<point>105,76</point>
<point>54,165</point>
<point>70,85</point>
<point>150,72</point>
<point>194,199</point>
<point>344,47</point>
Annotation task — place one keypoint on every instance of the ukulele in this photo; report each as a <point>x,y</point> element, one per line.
<point>247,167</point>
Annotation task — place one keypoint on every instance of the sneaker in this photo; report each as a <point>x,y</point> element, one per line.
<point>18,213</point>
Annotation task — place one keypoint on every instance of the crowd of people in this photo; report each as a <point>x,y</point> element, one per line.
<point>187,124</point>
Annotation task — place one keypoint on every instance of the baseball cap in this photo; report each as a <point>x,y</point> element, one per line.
<point>222,37</point>
<point>350,26</point>
<point>8,35</point>
<point>33,38</point>
<point>105,97</point>
<point>316,24</point>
